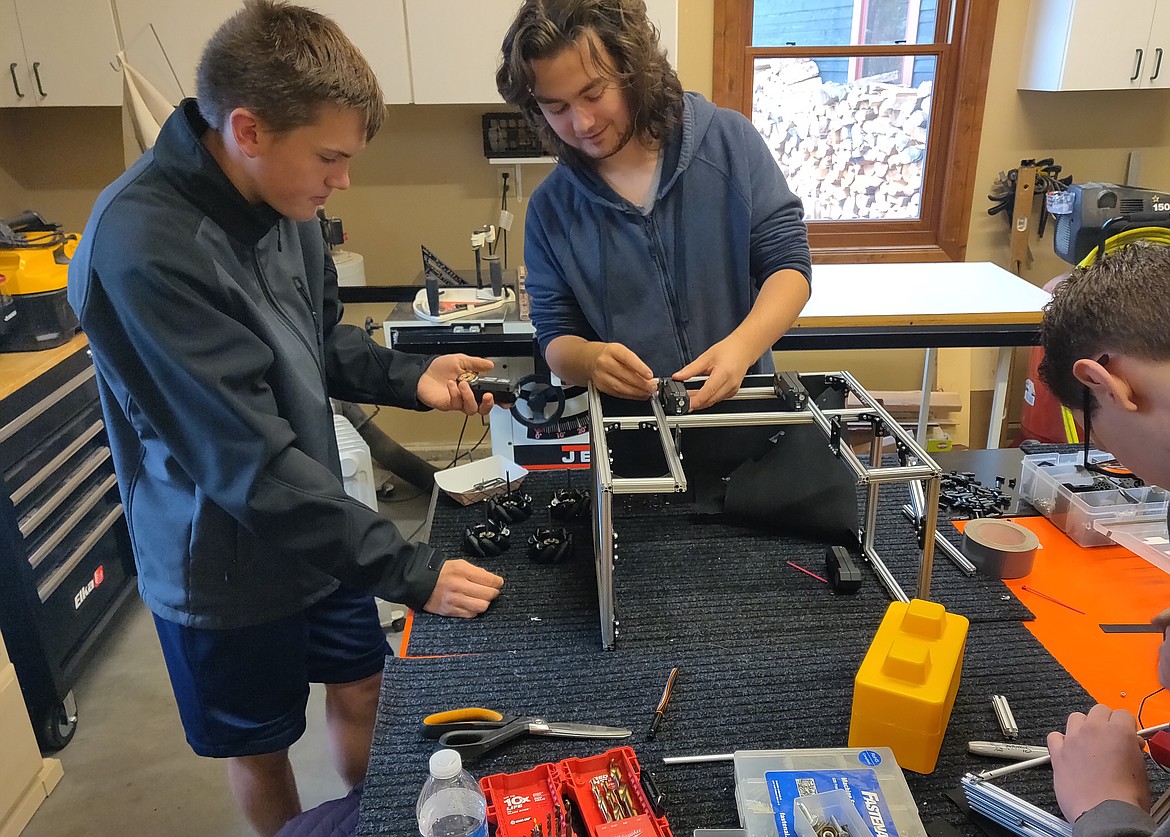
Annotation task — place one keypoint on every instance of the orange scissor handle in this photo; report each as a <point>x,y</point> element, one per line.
<point>468,713</point>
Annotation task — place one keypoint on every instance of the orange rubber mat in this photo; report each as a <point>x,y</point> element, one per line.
<point>1109,585</point>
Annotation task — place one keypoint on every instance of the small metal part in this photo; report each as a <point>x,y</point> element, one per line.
<point>1010,811</point>
<point>599,798</point>
<point>698,759</point>
<point>791,392</point>
<point>1136,628</point>
<point>567,815</point>
<point>654,796</point>
<point>673,396</point>
<point>614,803</point>
<point>1003,713</point>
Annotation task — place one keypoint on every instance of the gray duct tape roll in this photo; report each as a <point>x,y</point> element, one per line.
<point>999,548</point>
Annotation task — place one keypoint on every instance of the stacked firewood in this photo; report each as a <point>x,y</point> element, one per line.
<point>851,151</point>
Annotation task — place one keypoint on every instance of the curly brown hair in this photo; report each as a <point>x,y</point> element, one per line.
<point>1116,304</point>
<point>283,62</point>
<point>542,28</point>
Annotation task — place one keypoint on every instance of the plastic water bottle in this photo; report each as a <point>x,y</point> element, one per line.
<point>451,803</point>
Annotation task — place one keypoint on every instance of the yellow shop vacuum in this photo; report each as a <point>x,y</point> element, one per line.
<point>34,269</point>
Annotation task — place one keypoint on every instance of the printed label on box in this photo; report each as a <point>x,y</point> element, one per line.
<point>786,787</point>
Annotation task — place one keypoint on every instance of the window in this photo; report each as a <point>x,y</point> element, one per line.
<point>872,110</point>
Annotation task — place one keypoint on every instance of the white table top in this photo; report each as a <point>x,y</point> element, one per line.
<point>923,293</point>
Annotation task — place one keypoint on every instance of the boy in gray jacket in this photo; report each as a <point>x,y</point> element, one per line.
<point>211,307</point>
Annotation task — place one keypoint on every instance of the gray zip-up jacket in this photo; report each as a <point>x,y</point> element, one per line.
<point>671,283</point>
<point>1118,819</point>
<point>216,336</point>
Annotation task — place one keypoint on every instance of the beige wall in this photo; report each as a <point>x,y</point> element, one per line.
<point>424,180</point>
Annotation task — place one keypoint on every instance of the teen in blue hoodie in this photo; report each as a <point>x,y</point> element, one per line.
<point>666,242</point>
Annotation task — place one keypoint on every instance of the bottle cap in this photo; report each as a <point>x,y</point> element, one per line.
<point>446,764</point>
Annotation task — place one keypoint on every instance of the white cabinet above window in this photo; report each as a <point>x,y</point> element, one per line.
<point>56,52</point>
<point>1096,45</point>
<point>455,46</point>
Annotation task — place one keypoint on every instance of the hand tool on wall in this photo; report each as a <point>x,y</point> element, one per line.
<point>1014,195</point>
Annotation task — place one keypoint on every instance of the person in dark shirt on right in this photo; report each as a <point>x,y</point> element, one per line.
<point>1107,358</point>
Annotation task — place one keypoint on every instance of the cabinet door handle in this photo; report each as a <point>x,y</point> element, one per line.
<point>1137,70</point>
<point>15,83</point>
<point>37,73</point>
<point>1157,63</point>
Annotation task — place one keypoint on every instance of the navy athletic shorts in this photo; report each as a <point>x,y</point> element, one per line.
<point>243,691</point>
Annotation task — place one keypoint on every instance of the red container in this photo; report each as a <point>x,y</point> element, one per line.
<point>605,792</point>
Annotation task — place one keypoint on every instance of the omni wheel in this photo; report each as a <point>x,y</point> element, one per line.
<point>539,403</point>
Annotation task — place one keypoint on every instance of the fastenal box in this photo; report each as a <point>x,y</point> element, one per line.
<point>798,793</point>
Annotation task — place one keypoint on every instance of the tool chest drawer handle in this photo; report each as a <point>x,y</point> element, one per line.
<point>38,515</point>
<point>56,462</point>
<point>62,531</point>
<point>39,408</point>
<point>49,586</point>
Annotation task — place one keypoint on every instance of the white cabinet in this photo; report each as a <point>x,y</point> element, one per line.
<point>455,46</point>
<point>379,31</point>
<point>180,31</point>
<point>423,51</point>
<point>1096,45</point>
<point>183,28</point>
<point>58,52</point>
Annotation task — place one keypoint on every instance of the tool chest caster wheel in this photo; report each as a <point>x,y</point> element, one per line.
<point>57,725</point>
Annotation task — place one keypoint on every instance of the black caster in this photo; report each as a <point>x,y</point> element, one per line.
<point>486,540</point>
<point>57,725</point>
<point>549,546</point>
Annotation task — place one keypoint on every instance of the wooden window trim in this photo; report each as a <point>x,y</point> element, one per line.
<point>964,65</point>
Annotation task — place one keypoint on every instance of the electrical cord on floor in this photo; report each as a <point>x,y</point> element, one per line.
<point>457,457</point>
<point>417,529</point>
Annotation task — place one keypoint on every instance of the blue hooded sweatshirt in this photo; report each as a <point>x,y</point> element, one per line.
<point>672,283</point>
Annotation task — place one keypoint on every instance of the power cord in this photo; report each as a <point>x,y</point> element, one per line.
<point>451,464</point>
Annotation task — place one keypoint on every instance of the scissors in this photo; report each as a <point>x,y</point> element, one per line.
<point>473,730</point>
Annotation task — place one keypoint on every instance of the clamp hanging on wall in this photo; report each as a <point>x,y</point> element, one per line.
<point>1014,194</point>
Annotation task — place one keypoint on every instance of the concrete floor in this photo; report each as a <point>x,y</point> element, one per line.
<point>129,770</point>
